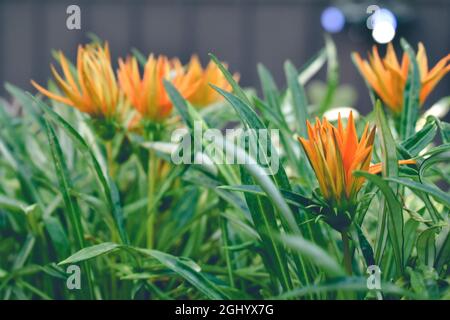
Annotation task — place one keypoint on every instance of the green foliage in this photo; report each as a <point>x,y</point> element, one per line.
<point>220,230</point>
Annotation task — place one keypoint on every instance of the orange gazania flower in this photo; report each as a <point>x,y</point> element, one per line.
<point>388,77</point>
<point>334,153</point>
<point>204,95</point>
<point>94,89</point>
<point>147,94</point>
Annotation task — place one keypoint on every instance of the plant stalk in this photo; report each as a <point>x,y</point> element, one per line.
<point>110,158</point>
<point>347,254</point>
<point>151,196</point>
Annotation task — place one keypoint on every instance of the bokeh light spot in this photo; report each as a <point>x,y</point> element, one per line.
<point>383,32</point>
<point>332,19</point>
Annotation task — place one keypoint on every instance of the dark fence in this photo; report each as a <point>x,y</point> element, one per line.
<point>242,33</point>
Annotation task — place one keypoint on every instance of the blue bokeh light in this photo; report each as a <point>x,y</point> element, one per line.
<point>332,19</point>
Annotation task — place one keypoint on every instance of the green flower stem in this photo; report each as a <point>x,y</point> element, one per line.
<point>110,158</point>
<point>347,254</point>
<point>151,206</point>
<point>152,174</point>
<point>226,244</point>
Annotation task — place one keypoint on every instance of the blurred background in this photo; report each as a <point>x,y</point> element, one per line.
<point>241,33</point>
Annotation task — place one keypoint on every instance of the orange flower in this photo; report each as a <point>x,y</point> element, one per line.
<point>334,153</point>
<point>388,77</point>
<point>147,94</point>
<point>94,89</point>
<point>204,95</point>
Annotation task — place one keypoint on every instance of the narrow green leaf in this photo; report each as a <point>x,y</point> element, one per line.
<point>265,223</point>
<point>269,88</point>
<point>91,252</point>
<point>299,100</point>
<point>417,142</point>
<point>189,116</point>
<point>58,236</point>
<point>65,185</point>
<point>433,191</point>
<point>312,66</point>
<point>139,56</point>
<point>314,254</point>
<point>252,121</point>
<point>291,197</point>
<point>332,74</point>
<point>237,90</point>
<point>426,246</point>
<point>411,94</point>
<point>443,249</point>
<point>108,186</point>
<point>395,221</point>
<point>184,268</point>
<point>388,146</point>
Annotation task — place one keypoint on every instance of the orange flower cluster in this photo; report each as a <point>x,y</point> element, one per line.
<point>388,76</point>
<point>93,88</point>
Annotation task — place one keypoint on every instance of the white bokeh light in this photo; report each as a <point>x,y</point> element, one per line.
<point>383,32</point>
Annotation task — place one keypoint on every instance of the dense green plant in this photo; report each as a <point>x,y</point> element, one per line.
<point>220,231</point>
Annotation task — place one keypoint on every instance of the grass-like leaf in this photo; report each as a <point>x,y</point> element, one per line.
<point>109,189</point>
<point>183,267</point>
<point>439,195</point>
<point>395,221</point>
<point>411,106</point>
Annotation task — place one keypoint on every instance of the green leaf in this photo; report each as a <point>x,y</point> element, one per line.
<point>269,88</point>
<point>265,223</point>
<point>392,223</point>
<point>443,249</point>
<point>352,284</point>
<point>65,185</point>
<point>366,248</point>
<point>314,254</point>
<point>445,131</point>
<point>189,116</point>
<point>395,217</point>
<point>12,204</point>
<point>410,236</point>
<point>189,271</point>
<point>299,100</point>
<point>312,66</point>
<point>237,90</point>
<point>24,252</point>
<point>91,252</point>
<point>108,186</point>
<point>25,101</point>
<point>426,246</point>
<point>332,74</point>
<point>433,191</point>
<point>139,56</point>
<point>186,268</point>
<point>58,236</point>
<point>252,121</point>
<point>411,94</point>
<point>273,116</point>
<point>417,142</point>
<point>292,198</point>
<point>388,146</point>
